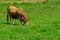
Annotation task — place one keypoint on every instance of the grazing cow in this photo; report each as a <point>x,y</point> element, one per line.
<point>16,13</point>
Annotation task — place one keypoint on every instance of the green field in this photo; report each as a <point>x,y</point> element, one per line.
<point>43,24</point>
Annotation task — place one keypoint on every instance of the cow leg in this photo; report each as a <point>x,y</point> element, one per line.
<point>7,19</point>
<point>20,21</point>
<point>11,20</point>
<point>25,23</point>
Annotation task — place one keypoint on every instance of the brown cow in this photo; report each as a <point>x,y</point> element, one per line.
<point>16,13</point>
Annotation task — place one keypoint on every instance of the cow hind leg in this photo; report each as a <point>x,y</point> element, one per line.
<point>12,21</point>
<point>7,19</point>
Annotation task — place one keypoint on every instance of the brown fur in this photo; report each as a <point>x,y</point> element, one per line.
<point>16,13</point>
<point>24,17</point>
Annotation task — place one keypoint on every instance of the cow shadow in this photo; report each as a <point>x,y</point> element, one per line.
<point>9,23</point>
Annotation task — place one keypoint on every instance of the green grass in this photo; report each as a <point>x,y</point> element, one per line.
<point>43,24</point>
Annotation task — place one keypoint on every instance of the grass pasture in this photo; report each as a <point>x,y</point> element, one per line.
<point>44,22</point>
